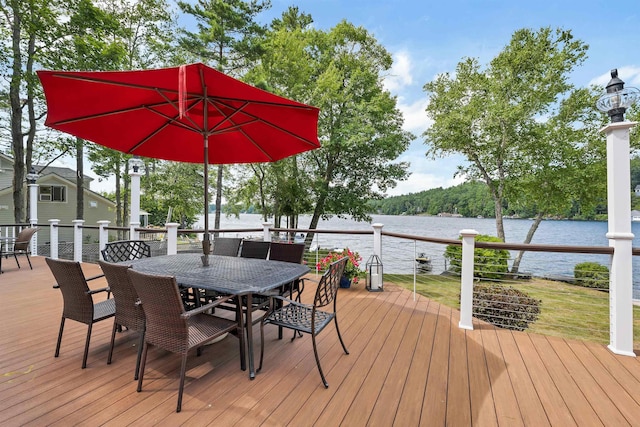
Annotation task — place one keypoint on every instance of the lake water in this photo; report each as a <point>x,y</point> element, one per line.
<point>398,254</point>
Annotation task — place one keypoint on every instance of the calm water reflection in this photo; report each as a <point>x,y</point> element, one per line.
<point>395,253</point>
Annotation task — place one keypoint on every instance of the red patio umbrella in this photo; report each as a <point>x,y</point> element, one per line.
<point>190,113</point>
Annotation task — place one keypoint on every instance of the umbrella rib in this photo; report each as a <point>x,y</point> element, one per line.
<point>110,113</point>
<point>256,118</point>
<point>174,91</point>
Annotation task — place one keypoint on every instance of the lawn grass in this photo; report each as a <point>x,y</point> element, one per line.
<point>566,310</point>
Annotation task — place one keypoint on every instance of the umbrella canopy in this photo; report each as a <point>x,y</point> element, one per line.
<point>192,113</point>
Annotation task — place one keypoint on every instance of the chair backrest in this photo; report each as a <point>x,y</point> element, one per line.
<point>125,250</point>
<point>163,309</point>
<point>329,283</point>
<point>288,252</point>
<point>23,239</point>
<point>128,313</point>
<point>78,304</point>
<point>255,249</point>
<point>228,246</point>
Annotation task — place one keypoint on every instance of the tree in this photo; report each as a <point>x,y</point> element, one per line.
<point>177,188</point>
<point>360,128</point>
<point>145,33</point>
<point>228,38</point>
<point>503,119</point>
<point>30,26</point>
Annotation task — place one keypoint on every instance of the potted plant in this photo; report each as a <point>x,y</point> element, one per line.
<point>351,270</point>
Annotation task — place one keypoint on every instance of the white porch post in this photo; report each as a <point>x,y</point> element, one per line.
<point>466,279</point>
<point>266,231</point>
<point>172,238</point>
<point>377,239</point>
<point>53,237</point>
<point>33,214</point>
<point>135,172</point>
<point>103,236</point>
<point>620,238</point>
<point>77,239</point>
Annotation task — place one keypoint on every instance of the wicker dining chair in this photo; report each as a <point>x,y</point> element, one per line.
<point>78,299</point>
<point>255,249</point>
<point>227,246</point>
<point>19,246</point>
<point>305,318</point>
<point>289,252</point>
<point>129,313</point>
<point>171,328</point>
<point>125,250</point>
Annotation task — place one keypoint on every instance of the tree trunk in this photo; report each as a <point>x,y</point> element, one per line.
<point>16,119</point>
<point>218,201</point>
<point>499,220</point>
<point>527,240</point>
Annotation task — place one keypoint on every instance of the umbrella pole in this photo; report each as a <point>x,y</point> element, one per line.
<point>206,241</point>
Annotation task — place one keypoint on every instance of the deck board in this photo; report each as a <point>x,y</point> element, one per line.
<point>409,364</point>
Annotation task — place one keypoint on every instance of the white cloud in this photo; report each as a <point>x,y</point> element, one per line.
<point>415,117</point>
<point>421,181</point>
<point>630,74</point>
<point>400,74</point>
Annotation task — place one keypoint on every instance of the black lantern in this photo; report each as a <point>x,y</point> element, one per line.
<point>32,176</point>
<point>617,99</point>
<point>374,274</point>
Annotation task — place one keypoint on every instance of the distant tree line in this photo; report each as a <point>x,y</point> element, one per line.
<point>472,199</point>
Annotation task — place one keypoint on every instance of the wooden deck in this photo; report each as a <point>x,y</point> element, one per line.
<point>409,364</point>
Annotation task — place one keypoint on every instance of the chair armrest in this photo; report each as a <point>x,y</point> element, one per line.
<point>207,307</point>
<point>95,291</point>
<point>290,301</point>
<point>94,277</point>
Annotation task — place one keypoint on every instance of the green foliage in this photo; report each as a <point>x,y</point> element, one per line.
<point>505,307</point>
<point>492,116</point>
<point>488,263</point>
<point>591,275</point>
<point>179,186</point>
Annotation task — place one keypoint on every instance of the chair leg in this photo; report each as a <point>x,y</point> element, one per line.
<point>113,339</point>
<point>183,369</point>
<point>59,337</point>
<point>29,261</point>
<point>140,345</point>
<point>16,258</point>
<point>86,346</point>
<point>142,363</point>
<point>315,352</point>
<point>335,319</point>
<point>261,346</point>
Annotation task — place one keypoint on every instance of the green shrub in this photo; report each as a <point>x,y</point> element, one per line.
<point>504,307</point>
<point>488,263</point>
<point>591,275</point>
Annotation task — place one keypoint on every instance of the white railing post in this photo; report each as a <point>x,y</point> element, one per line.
<point>133,233</point>
<point>77,239</point>
<point>620,238</point>
<point>53,237</point>
<point>377,240</point>
<point>266,231</point>
<point>103,236</point>
<point>172,238</point>
<point>33,215</point>
<point>466,279</point>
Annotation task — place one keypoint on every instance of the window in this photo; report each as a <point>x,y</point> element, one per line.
<point>53,193</point>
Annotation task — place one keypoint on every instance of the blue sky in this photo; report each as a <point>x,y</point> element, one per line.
<point>430,37</point>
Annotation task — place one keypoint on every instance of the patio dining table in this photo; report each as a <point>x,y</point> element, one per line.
<point>227,275</point>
